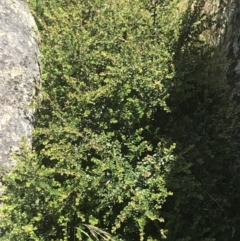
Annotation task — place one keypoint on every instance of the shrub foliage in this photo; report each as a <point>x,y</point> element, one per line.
<point>134,136</point>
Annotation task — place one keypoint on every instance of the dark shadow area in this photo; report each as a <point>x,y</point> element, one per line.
<point>203,123</point>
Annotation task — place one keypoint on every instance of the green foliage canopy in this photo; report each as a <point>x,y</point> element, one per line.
<point>123,81</point>
<point>98,159</point>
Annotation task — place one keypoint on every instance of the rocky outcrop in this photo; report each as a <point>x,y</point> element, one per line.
<point>19,76</point>
<point>231,44</point>
<point>226,36</point>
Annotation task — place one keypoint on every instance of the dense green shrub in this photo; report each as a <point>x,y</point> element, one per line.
<point>134,135</point>
<point>98,159</point>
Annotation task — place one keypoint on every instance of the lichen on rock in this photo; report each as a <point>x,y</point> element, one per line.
<point>19,75</point>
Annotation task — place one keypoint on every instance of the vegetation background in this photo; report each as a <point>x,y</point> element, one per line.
<point>135,137</point>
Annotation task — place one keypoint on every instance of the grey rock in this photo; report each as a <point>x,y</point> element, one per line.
<point>237,69</point>
<point>226,38</point>
<point>19,76</point>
